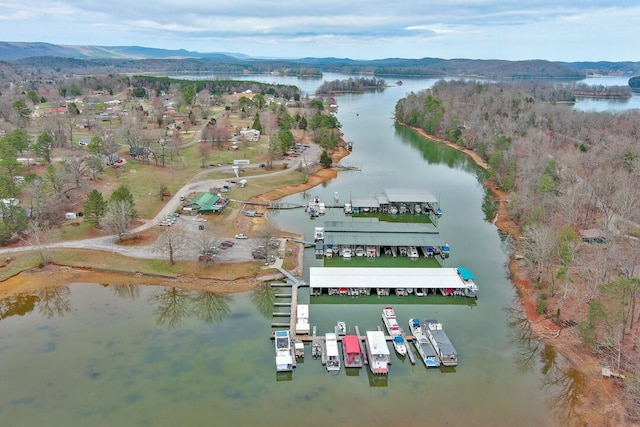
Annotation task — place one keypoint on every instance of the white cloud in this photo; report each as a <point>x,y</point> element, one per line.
<point>547,29</point>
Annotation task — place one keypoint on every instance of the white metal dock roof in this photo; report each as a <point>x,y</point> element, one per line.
<point>421,195</point>
<point>377,342</point>
<point>392,277</point>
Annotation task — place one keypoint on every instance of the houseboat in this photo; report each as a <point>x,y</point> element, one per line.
<point>377,352</point>
<point>332,356</point>
<point>351,352</point>
<point>440,342</point>
<point>425,349</point>
<point>302,321</point>
<point>284,358</point>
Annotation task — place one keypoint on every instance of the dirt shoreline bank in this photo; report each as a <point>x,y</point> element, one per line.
<point>601,403</point>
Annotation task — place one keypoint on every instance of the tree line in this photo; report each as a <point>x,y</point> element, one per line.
<point>352,84</point>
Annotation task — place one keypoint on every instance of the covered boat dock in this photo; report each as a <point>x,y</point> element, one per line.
<point>445,281</point>
<point>379,237</point>
<point>404,200</point>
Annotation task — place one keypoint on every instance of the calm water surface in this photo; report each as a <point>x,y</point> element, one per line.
<point>126,355</point>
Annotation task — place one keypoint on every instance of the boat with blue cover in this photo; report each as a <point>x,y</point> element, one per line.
<point>425,349</point>
<point>284,358</point>
<point>471,289</point>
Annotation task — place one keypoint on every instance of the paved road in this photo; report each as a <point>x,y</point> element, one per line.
<point>240,251</point>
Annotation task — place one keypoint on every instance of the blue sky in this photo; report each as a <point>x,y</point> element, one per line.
<point>558,30</point>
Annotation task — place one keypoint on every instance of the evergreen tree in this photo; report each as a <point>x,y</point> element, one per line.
<point>42,147</point>
<point>19,139</point>
<point>325,159</point>
<point>96,146</point>
<point>123,194</point>
<point>94,207</point>
<point>256,123</point>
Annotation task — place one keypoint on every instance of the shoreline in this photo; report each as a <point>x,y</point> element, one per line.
<point>600,401</point>
<point>598,393</point>
<point>30,280</point>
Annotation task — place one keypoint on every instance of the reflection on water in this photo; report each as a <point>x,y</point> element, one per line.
<point>284,376</point>
<point>563,383</point>
<point>125,291</point>
<point>489,206</point>
<point>377,380</point>
<point>174,304</point>
<point>18,305</point>
<point>568,384</point>
<point>54,301</point>
<point>263,297</point>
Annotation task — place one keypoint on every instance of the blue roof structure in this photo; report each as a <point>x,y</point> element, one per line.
<point>465,274</point>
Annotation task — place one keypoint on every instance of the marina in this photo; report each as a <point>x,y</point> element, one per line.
<point>489,384</point>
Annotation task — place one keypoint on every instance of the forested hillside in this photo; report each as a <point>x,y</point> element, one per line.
<point>565,171</point>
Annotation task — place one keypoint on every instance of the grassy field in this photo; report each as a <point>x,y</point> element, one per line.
<point>110,261</point>
<point>145,182</point>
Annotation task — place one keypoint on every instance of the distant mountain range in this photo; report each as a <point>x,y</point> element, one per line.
<point>98,59</point>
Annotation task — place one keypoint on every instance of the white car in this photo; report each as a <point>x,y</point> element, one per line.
<point>241,236</point>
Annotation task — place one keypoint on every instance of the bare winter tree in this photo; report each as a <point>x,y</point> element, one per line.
<point>76,168</point>
<point>266,245</point>
<point>173,242</point>
<point>118,216</point>
<point>39,235</point>
<point>539,245</point>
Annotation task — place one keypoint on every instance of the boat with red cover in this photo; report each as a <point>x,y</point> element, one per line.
<point>351,352</point>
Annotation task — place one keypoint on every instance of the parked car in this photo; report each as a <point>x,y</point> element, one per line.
<point>241,236</point>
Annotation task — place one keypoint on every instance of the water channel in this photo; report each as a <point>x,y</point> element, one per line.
<point>135,355</point>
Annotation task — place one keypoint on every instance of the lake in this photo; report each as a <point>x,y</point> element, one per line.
<point>97,355</point>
